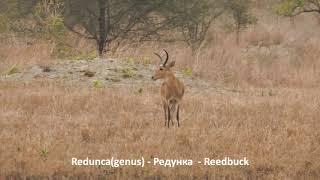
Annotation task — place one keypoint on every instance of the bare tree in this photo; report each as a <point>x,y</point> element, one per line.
<point>193,19</point>
<point>107,21</point>
<point>141,20</point>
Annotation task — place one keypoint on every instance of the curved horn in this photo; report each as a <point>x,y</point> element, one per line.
<point>158,57</point>
<point>165,62</point>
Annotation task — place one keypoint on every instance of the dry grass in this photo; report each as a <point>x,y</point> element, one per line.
<point>22,52</point>
<point>276,129</point>
<point>265,58</point>
<point>273,122</point>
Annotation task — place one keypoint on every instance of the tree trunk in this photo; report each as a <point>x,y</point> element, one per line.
<point>238,34</point>
<point>102,27</point>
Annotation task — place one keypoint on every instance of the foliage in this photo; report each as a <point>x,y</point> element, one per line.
<point>86,55</point>
<point>130,61</point>
<point>29,17</point>
<point>107,21</point>
<point>62,51</point>
<point>128,72</point>
<point>50,26</point>
<point>54,28</point>
<point>97,84</point>
<point>13,69</point>
<point>192,18</point>
<point>40,19</point>
<point>4,23</point>
<point>187,72</point>
<point>146,61</point>
<point>240,11</point>
<point>8,14</point>
<point>141,20</point>
<point>44,153</point>
<point>296,7</point>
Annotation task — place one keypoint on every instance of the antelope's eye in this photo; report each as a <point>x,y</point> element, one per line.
<point>161,69</point>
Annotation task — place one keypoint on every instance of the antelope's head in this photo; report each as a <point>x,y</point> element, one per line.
<point>164,69</point>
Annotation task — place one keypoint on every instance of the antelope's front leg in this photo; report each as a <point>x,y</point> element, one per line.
<point>172,111</point>
<point>165,114</point>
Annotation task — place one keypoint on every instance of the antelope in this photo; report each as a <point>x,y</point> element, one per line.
<point>171,89</point>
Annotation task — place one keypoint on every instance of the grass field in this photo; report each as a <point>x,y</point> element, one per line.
<point>271,115</point>
<point>43,125</point>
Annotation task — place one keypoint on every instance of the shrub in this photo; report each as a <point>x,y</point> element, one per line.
<point>97,84</point>
<point>55,28</point>
<point>44,153</point>
<point>4,24</point>
<point>13,69</point>
<point>128,73</point>
<point>187,72</point>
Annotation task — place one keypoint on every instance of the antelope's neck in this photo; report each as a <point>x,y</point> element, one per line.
<point>170,77</point>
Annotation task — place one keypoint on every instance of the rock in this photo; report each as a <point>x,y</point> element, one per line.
<point>89,73</point>
<point>45,68</point>
<point>113,79</point>
<point>125,76</point>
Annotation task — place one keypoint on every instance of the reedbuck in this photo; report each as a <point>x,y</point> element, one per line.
<point>171,90</point>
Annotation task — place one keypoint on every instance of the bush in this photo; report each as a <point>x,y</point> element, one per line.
<point>4,25</point>
<point>187,72</point>
<point>13,69</point>
<point>62,51</point>
<point>55,28</point>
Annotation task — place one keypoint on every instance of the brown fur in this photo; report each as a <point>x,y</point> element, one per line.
<point>172,91</point>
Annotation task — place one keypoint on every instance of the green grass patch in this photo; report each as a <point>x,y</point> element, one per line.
<point>128,73</point>
<point>187,72</point>
<point>97,84</point>
<point>13,69</point>
<point>44,153</point>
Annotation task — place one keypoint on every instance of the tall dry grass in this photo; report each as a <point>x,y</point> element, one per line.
<point>273,121</point>
<point>281,56</point>
<point>276,55</point>
<point>277,131</point>
<point>22,52</point>
<point>261,67</point>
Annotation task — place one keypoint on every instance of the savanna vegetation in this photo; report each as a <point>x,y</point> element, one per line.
<point>259,61</point>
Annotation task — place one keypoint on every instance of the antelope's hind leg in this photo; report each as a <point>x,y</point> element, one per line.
<point>169,116</point>
<point>178,115</point>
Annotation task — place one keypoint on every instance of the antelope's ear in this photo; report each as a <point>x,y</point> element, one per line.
<point>171,64</point>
